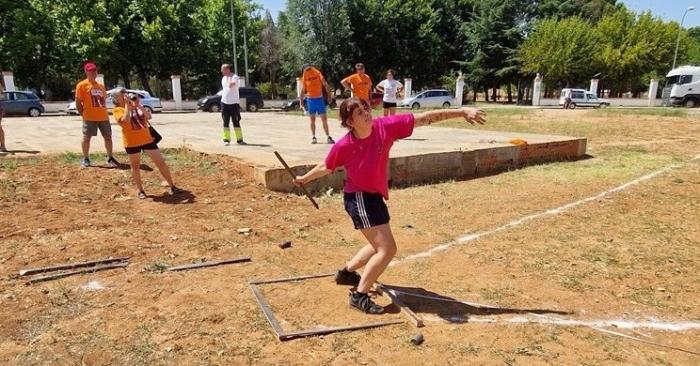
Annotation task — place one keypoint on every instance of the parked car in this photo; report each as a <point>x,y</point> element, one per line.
<point>582,98</point>
<point>149,102</point>
<point>21,102</point>
<point>429,98</point>
<point>212,103</point>
<point>293,105</point>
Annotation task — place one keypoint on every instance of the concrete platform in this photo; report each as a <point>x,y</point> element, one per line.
<point>431,154</point>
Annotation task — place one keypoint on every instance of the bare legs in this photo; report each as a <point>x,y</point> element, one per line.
<point>135,160</point>
<point>86,145</point>
<point>389,111</point>
<point>375,256</point>
<point>324,120</point>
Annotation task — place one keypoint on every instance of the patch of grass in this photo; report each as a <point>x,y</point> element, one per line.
<point>181,158</point>
<point>141,351</point>
<point>470,349</point>
<point>660,112</point>
<point>156,267</point>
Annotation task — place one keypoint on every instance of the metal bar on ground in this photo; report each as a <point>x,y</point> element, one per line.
<point>412,316</point>
<point>321,331</point>
<point>291,173</point>
<point>30,271</point>
<point>290,279</point>
<point>53,276</point>
<point>267,310</point>
<point>208,264</point>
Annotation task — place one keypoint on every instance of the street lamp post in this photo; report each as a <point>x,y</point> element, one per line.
<point>233,39</point>
<point>678,40</point>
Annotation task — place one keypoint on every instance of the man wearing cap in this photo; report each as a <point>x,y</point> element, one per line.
<point>359,82</point>
<point>230,105</point>
<point>90,100</point>
<point>315,91</point>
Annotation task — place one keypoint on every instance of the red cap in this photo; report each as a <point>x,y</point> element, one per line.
<point>89,66</point>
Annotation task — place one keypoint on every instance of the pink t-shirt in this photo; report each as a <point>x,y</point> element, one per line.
<point>365,160</point>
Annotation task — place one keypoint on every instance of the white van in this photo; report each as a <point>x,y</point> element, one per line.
<point>682,87</point>
<point>581,98</point>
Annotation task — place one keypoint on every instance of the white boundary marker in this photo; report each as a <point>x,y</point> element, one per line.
<point>550,212</point>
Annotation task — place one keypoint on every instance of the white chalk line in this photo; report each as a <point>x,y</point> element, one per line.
<point>597,325</point>
<point>550,212</point>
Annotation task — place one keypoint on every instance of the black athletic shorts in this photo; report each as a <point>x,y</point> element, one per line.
<point>366,209</point>
<point>137,149</point>
<point>389,105</point>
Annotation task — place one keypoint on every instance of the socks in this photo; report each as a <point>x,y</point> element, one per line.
<point>238,132</point>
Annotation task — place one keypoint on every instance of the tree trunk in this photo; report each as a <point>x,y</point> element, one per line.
<point>494,96</point>
<point>127,82</point>
<point>474,91</point>
<point>510,94</point>
<point>144,81</point>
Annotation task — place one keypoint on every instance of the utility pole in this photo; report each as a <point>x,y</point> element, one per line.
<point>245,54</point>
<point>233,38</point>
<point>678,39</point>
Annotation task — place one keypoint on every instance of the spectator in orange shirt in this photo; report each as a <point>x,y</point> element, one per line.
<point>90,100</point>
<point>314,91</point>
<point>133,118</point>
<point>359,82</point>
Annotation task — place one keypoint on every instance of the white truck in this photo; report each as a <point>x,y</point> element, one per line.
<point>682,87</point>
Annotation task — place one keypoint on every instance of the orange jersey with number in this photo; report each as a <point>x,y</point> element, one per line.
<point>93,97</point>
<point>135,129</point>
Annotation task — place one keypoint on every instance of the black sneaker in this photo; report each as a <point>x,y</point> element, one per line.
<point>363,303</point>
<point>345,277</point>
<point>112,162</point>
<point>142,195</point>
<point>85,163</point>
<point>241,142</point>
<point>175,190</point>
<point>330,140</point>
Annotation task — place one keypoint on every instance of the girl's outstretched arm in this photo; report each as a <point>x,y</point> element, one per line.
<point>471,115</point>
<point>316,172</point>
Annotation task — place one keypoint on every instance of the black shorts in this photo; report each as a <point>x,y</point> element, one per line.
<point>366,209</point>
<point>389,105</point>
<point>137,149</point>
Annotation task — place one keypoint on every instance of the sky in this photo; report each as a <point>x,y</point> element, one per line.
<point>666,9</point>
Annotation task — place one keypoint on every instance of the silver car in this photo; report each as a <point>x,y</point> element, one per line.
<point>149,102</point>
<point>429,98</point>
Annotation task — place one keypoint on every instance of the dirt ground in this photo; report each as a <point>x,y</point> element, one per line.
<point>631,255</point>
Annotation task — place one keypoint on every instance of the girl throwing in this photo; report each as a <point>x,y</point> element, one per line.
<point>364,152</point>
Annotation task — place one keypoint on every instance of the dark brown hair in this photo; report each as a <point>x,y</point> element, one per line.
<point>347,107</point>
<point>391,71</point>
<point>359,65</point>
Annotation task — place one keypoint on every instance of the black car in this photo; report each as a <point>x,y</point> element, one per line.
<point>254,100</point>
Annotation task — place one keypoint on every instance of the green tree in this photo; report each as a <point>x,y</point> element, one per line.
<point>693,55</point>
<point>561,50</point>
<point>269,57</point>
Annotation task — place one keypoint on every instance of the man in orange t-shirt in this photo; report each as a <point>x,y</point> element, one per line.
<point>359,82</point>
<point>90,100</point>
<point>315,91</point>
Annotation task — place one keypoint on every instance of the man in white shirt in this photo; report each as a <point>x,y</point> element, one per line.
<point>230,105</point>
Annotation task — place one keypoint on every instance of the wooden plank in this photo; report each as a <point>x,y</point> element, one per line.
<point>412,316</point>
<point>321,331</point>
<point>290,279</point>
<point>30,271</point>
<point>208,264</point>
<point>267,310</point>
<point>291,173</point>
<point>53,276</point>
